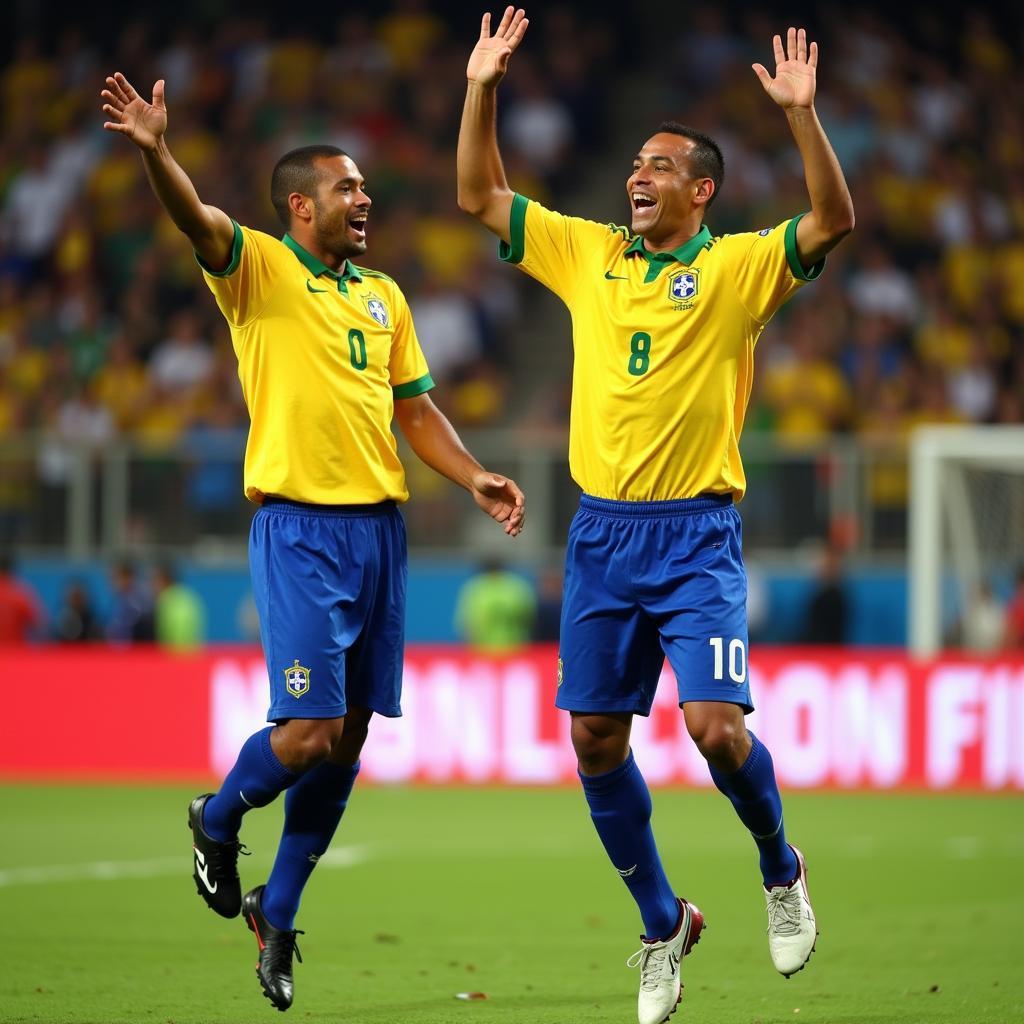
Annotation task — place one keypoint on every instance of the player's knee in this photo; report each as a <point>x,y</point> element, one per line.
<point>723,742</point>
<point>305,743</point>
<point>597,751</point>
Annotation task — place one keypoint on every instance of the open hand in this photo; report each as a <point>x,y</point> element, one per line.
<point>144,123</point>
<point>489,60</point>
<point>795,70</point>
<point>501,499</point>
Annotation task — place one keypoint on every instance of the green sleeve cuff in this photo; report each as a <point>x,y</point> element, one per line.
<point>514,250</point>
<point>236,255</point>
<point>793,257</point>
<point>413,387</point>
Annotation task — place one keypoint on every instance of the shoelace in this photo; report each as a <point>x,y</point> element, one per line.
<point>223,858</point>
<point>784,909</point>
<point>280,948</point>
<point>651,961</point>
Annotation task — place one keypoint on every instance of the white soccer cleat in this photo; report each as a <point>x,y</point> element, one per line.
<point>660,987</point>
<point>792,932</point>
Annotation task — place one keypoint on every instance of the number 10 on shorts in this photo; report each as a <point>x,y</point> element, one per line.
<point>737,659</point>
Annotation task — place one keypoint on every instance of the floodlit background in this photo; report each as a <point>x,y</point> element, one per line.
<point>869,535</point>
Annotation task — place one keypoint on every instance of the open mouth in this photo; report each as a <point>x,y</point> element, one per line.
<point>358,224</point>
<point>643,201</point>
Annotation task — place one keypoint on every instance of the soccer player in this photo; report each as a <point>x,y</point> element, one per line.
<point>665,319</point>
<point>327,354</point>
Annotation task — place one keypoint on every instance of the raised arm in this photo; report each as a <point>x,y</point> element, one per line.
<point>208,229</point>
<point>483,190</point>
<point>831,216</point>
<point>435,442</point>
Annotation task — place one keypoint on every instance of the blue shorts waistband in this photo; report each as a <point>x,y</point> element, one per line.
<point>654,509</point>
<point>284,506</point>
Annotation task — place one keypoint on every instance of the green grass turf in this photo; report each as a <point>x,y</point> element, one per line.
<point>919,901</point>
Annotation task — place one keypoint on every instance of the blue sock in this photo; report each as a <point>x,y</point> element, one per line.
<point>620,806</point>
<point>255,780</point>
<point>312,810</point>
<point>755,795</point>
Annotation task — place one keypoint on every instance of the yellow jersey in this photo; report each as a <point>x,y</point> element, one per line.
<point>321,356</point>
<point>663,346</point>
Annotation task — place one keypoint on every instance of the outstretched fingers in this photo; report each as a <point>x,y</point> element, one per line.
<point>780,53</point>
<point>519,26</point>
<point>506,20</point>
<point>801,46</point>
<point>812,56</point>
<point>791,43</point>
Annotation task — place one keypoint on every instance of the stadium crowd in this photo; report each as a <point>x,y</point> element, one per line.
<point>106,328</point>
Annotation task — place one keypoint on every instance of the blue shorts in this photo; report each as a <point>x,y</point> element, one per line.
<point>329,585</point>
<point>646,579</point>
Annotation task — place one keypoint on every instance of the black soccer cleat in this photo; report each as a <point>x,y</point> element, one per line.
<point>214,864</point>
<point>276,947</point>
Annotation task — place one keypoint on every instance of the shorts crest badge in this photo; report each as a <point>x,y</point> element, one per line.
<point>683,287</point>
<point>296,680</point>
<point>376,308</point>
<point>561,672</point>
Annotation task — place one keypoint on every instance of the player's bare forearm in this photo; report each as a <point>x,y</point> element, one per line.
<point>831,217</point>
<point>434,439</point>
<point>793,88</point>
<point>483,190</point>
<point>144,123</point>
<point>208,228</point>
<point>436,443</point>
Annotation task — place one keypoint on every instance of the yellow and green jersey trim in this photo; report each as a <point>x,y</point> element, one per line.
<point>350,272</point>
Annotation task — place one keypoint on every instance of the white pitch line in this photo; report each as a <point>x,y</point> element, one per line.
<point>113,871</point>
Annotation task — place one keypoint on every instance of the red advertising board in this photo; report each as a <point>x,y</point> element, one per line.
<point>832,718</point>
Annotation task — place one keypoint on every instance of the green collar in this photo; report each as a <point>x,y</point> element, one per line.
<point>685,254</point>
<point>316,268</point>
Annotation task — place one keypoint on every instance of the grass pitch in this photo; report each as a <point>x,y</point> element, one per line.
<point>507,892</point>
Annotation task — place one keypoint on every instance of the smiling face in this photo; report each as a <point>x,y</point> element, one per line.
<point>340,208</point>
<point>667,201</point>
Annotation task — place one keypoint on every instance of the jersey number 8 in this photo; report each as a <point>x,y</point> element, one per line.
<point>640,358</point>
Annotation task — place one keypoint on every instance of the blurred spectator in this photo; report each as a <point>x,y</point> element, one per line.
<point>1014,635</point>
<point>131,615</point>
<point>828,612</point>
<point>983,625</point>
<point>20,612</point>
<point>447,327</point>
<point>547,622</point>
<point>76,620</point>
<point>495,610</point>
<point>179,613</point>
<point>183,361</point>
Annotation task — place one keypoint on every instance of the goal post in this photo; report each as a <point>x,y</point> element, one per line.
<point>966,521</point>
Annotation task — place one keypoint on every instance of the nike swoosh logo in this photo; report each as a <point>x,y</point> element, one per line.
<point>202,870</point>
<point>674,961</point>
<point>309,287</point>
<point>626,872</point>
<point>609,276</point>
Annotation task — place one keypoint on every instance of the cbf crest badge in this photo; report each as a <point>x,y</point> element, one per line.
<point>376,308</point>
<point>296,680</point>
<point>683,287</point>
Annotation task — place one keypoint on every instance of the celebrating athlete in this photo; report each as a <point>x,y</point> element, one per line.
<point>327,355</point>
<point>665,319</point>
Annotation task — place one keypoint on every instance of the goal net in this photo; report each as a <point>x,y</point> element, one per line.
<point>966,527</point>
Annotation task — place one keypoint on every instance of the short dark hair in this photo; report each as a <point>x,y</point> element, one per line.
<point>705,159</point>
<point>295,172</point>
